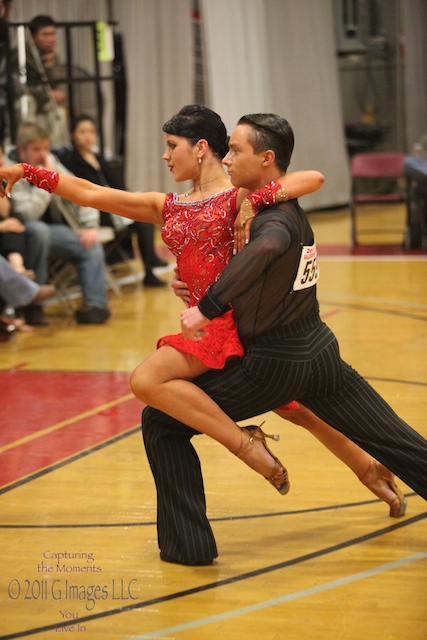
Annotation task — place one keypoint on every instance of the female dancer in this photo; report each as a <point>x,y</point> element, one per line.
<point>198,228</point>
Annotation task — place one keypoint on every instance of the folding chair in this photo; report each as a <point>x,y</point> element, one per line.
<point>416,229</point>
<point>64,276</point>
<point>376,178</point>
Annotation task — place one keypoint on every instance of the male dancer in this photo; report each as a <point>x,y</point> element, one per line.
<point>289,353</point>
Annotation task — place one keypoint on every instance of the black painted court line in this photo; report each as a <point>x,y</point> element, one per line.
<point>397,381</point>
<point>221,583</point>
<point>63,463</point>
<point>366,307</point>
<point>251,516</point>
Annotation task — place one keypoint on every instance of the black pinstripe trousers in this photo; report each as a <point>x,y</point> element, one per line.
<point>299,361</point>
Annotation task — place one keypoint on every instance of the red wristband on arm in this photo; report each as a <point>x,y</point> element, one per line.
<point>267,195</point>
<point>42,178</point>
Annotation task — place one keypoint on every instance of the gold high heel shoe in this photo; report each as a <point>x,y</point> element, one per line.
<point>256,433</point>
<point>376,471</point>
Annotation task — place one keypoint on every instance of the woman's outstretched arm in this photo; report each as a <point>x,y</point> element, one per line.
<point>145,207</point>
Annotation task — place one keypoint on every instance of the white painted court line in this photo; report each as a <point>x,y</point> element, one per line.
<point>372,258</point>
<point>284,598</point>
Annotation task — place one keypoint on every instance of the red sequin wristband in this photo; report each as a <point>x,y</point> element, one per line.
<point>267,195</point>
<point>42,178</point>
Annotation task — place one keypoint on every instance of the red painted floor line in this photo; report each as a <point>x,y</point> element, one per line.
<point>35,400</point>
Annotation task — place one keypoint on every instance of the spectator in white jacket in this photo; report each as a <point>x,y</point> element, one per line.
<point>55,227</point>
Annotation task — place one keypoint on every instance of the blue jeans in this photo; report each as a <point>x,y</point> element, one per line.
<point>58,240</point>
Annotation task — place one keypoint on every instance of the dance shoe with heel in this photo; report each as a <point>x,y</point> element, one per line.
<point>278,476</point>
<point>381,482</point>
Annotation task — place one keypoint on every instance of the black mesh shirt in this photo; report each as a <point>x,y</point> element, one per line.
<point>271,282</point>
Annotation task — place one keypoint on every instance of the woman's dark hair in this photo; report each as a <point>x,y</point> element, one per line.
<point>271,132</point>
<point>81,118</point>
<point>196,122</point>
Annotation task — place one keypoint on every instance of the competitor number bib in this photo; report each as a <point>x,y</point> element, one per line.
<point>308,269</point>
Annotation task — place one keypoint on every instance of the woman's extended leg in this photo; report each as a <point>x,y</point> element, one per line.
<point>162,381</point>
<point>371,473</point>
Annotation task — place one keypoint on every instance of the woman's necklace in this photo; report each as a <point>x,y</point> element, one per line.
<point>190,193</point>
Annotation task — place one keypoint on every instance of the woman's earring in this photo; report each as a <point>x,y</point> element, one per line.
<point>200,161</point>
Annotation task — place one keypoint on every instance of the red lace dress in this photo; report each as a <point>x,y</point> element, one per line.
<point>200,236</point>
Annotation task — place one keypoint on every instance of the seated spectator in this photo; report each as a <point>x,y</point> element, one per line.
<point>46,77</point>
<point>17,290</point>
<point>84,162</point>
<point>12,239</point>
<point>48,231</point>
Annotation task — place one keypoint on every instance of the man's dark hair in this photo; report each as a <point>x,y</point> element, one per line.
<point>196,122</point>
<point>270,131</point>
<point>38,22</point>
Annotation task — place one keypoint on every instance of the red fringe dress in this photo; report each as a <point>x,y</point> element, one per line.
<point>200,236</point>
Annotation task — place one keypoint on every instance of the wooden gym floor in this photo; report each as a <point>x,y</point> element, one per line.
<point>77,529</point>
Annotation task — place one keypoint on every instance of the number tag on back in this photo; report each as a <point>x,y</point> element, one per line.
<point>308,270</point>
